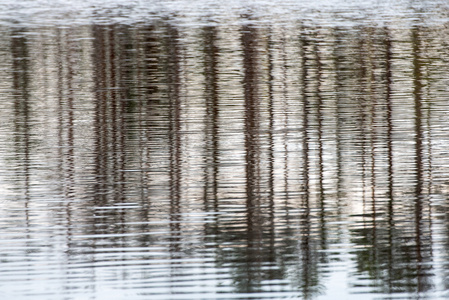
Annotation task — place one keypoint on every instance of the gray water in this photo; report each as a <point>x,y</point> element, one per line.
<point>206,150</point>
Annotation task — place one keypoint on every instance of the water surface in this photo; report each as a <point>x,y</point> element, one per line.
<point>240,151</point>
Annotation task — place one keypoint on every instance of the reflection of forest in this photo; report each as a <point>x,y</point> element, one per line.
<point>266,149</point>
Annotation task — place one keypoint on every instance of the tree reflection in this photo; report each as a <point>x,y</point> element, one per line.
<point>109,128</point>
<point>269,152</point>
<point>253,248</point>
<point>396,254</point>
<point>20,85</point>
<point>21,111</point>
<point>423,235</point>
<point>310,242</point>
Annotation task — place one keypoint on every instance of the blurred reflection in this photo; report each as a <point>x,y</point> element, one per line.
<point>21,112</point>
<point>175,160</point>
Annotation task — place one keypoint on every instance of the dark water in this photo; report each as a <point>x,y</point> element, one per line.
<point>265,155</point>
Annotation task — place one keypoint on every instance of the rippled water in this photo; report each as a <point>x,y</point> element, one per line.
<point>224,151</point>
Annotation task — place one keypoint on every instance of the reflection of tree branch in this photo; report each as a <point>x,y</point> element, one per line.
<point>271,192</point>
<point>309,274</point>
<point>422,247</point>
<point>389,136</point>
<point>211,122</point>
<point>211,138</point>
<point>320,117</point>
<point>173,79</point>
<point>109,131</point>
<point>22,126</point>
<point>252,149</point>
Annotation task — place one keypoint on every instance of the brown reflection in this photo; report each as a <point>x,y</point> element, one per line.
<point>305,241</point>
<point>308,278</point>
<point>141,75</point>
<point>370,148</point>
<point>422,236</point>
<point>320,153</point>
<point>21,111</point>
<point>271,185</point>
<point>339,59</point>
<point>65,115</point>
<point>66,129</point>
<point>252,155</point>
<point>171,69</point>
<point>212,138</point>
<point>390,178</point>
<point>212,158</point>
<point>109,130</point>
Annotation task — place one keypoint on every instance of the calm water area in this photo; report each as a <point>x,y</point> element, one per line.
<point>224,150</point>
